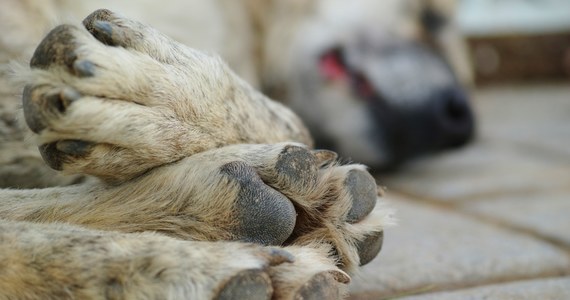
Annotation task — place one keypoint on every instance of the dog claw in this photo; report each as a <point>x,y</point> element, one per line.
<point>73,147</point>
<point>83,68</point>
<point>369,248</point>
<point>340,276</point>
<point>69,96</point>
<point>324,157</point>
<point>278,256</point>
<point>103,31</point>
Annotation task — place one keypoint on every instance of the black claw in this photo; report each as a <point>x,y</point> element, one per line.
<point>74,147</point>
<point>103,31</point>
<point>278,256</point>
<point>98,15</point>
<point>340,276</point>
<point>30,110</point>
<point>369,248</point>
<point>53,100</point>
<point>56,48</point>
<point>39,100</point>
<point>83,68</point>
<point>248,284</point>
<point>324,157</point>
<point>51,156</point>
<point>55,154</point>
<point>68,96</point>
<point>36,101</point>
<point>362,187</point>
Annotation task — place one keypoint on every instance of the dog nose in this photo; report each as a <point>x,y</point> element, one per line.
<point>454,117</point>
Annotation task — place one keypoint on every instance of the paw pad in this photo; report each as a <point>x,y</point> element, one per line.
<point>322,286</point>
<point>362,188</point>
<point>265,216</point>
<point>297,166</point>
<point>248,284</point>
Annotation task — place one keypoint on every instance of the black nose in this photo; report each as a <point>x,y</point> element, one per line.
<point>454,117</point>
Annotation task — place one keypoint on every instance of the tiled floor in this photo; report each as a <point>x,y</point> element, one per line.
<point>490,221</point>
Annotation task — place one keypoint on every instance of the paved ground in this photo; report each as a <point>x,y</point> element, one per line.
<point>491,221</point>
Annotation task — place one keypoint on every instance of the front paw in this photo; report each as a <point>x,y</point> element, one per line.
<point>336,204</point>
<point>102,110</point>
<point>117,98</point>
<point>290,195</point>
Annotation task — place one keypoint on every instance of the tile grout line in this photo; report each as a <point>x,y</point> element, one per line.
<point>560,245</point>
<point>430,289</point>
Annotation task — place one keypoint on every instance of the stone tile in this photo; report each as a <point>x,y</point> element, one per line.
<point>481,169</point>
<point>547,214</point>
<point>534,115</point>
<point>543,289</point>
<point>433,250</point>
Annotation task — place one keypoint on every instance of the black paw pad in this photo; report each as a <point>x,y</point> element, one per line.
<point>57,153</point>
<point>321,286</point>
<point>362,187</point>
<point>369,248</point>
<point>248,284</point>
<point>266,216</point>
<point>56,48</point>
<point>298,165</point>
<point>40,101</point>
<point>32,111</point>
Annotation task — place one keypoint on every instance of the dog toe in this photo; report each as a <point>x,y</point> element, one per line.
<point>42,102</point>
<point>56,48</point>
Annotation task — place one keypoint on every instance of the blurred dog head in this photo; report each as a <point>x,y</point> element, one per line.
<point>380,82</point>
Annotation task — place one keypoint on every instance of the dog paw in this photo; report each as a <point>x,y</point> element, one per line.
<point>281,194</point>
<point>306,273</point>
<point>82,263</point>
<point>334,204</point>
<point>271,194</point>
<point>115,98</point>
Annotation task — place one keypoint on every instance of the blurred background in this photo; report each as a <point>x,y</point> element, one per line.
<point>491,220</point>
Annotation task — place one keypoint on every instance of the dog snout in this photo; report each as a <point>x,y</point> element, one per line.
<point>453,117</point>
